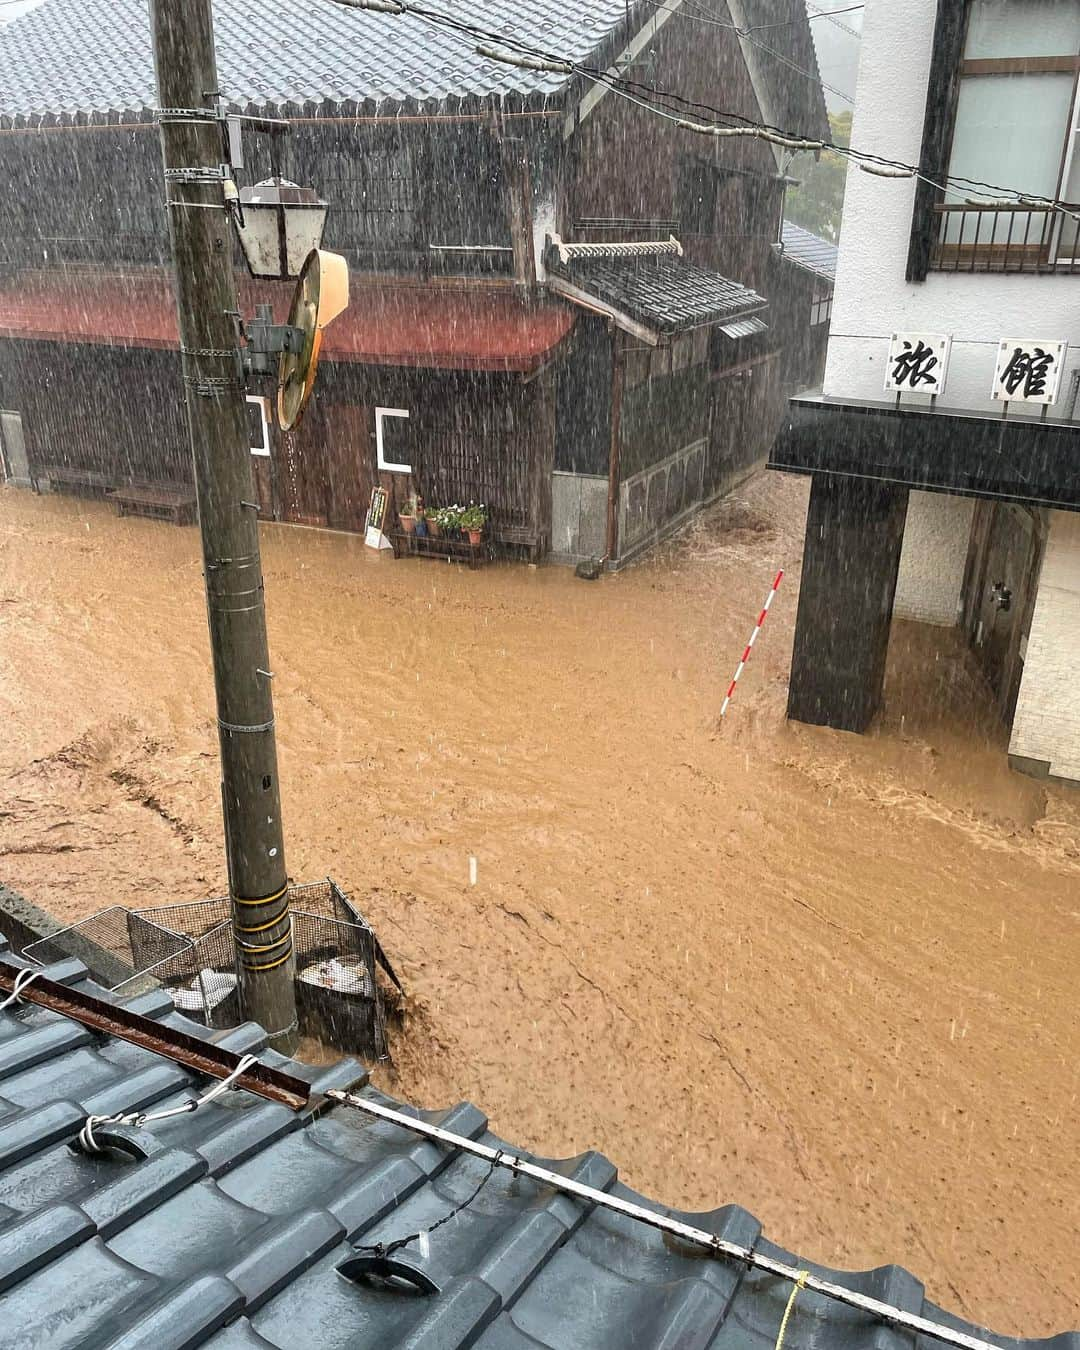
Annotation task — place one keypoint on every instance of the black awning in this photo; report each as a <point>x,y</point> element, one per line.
<point>938,449</point>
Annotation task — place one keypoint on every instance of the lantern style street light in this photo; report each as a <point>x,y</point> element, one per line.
<point>279,223</point>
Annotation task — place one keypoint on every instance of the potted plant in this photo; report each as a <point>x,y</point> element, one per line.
<point>408,512</point>
<point>433,516</point>
<point>472,521</point>
<point>449,520</point>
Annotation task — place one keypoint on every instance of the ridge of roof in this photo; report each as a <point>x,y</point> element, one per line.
<point>230,1233</point>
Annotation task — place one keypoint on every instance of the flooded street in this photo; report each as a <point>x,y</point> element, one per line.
<point>830,978</point>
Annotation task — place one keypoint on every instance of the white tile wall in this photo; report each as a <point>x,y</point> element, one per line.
<point>933,558</point>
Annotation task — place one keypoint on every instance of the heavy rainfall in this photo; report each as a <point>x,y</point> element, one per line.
<point>626,455</point>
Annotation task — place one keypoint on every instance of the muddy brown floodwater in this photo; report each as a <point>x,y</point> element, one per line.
<point>831,978</point>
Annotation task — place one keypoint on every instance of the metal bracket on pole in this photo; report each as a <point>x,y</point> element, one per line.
<point>166,115</point>
<point>267,340</point>
<point>202,173</point>
<point>211,386</point>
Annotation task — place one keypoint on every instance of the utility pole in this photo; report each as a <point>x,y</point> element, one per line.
<point>192,146</point>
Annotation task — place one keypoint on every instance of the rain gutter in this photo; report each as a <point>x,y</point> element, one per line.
<point>615,447</point>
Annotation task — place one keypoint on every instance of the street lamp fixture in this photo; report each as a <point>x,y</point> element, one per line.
<point>279,224</point>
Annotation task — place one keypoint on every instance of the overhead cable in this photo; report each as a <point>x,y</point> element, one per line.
<point>511,49</point>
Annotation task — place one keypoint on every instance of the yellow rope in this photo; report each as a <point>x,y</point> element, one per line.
<point>799,1284</point>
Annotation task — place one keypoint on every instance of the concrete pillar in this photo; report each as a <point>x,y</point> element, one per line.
<point>933,559</point>
<point>1046,726</point>
<point>854,531</point>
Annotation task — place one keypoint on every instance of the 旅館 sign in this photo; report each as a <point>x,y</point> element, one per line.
<point>918,363</point>
<point>1026,370</point>
<point>1029,370</point>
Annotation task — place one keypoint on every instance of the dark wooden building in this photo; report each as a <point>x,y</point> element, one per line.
<point>811,270</point>
<point>591,395</point>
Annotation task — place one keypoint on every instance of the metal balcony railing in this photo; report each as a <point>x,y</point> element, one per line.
<point>1005,237</point>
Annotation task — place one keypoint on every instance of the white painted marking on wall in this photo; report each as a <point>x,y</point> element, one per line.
<point>380,415</point>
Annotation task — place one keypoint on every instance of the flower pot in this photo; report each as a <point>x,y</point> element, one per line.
<point>474,537</point>
<point>408,523</point>
<point>434,528</point>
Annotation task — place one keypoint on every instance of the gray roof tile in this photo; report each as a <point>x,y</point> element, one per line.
<point>666,293</point>
<point>810,251</point>
<point>231,1232</point>
<point>69,56</point>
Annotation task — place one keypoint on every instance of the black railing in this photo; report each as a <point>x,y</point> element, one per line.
<point>1006,237</point>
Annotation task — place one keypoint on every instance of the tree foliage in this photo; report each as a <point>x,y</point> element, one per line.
<point>818,202</point>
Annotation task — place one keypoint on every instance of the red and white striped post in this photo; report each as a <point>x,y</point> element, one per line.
<point>750,644</point>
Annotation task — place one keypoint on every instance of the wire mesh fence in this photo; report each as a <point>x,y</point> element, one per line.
<point>188,949</point>
<point>115,946</point>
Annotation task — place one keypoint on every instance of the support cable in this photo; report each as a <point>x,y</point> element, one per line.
<point>90,1144</point>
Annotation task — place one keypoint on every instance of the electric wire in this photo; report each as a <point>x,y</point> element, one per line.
<point>391,1245</point>
<point>831,14</point>
<point>699,16</point>
<point>89,1142</point>
<point>614,82</point>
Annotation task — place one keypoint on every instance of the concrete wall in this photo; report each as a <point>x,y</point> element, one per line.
<point>872,300</point>
<point>933,558</point>
<point>1046,726</point>
<point>21,922</point>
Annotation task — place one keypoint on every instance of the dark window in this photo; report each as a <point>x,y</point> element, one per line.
<point>820,308</point>
<point>380,202</point>
<point>697,197</point>
<point>1004,113</point>
<point>434,200</point>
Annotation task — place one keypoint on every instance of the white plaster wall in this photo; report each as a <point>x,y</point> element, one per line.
<point>1047,721</point>
<point>872,299</point>
<point>933,558</point>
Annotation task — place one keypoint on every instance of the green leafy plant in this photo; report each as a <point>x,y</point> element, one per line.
<point>818,202</point>
<point>411,506</point>
<point>474,517</point>
<point>448,518</point>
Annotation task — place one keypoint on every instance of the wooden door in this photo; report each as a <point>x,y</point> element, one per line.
<point>349,455</point>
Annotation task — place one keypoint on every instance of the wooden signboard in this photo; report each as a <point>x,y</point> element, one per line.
<point>373,535</point>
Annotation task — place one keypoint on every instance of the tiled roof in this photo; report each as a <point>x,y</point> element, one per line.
<point>229,1233</point>
<point>665,293</point>
<point>810,251</point>
<point>93,56</point>
<point>71,56</point>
